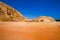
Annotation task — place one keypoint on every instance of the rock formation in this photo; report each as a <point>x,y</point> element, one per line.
<point>7,13</point>
<point>44,19</point>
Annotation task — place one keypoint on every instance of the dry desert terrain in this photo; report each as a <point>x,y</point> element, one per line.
<point>29,31</point>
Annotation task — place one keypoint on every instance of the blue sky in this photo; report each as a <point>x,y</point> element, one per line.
<point>34,8</point>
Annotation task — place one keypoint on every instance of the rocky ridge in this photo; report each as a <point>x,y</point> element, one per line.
<point>8,13</point>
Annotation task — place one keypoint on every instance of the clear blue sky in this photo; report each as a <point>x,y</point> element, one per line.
<point>35,8</point>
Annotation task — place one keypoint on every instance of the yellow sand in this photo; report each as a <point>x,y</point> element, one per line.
<point>29,31</point>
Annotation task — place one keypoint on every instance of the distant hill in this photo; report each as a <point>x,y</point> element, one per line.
<point>44,19</point>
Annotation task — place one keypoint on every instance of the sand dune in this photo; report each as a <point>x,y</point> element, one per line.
<point>29,31</point>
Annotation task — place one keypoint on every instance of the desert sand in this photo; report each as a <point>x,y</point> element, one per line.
<point>29,31</point>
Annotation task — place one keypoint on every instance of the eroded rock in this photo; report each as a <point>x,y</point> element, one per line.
<point>8,13</point>
<point>44,19</point>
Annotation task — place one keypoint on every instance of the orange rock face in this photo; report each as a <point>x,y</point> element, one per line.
<point>29,31</point>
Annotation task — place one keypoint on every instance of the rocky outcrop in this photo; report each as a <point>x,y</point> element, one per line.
<point>44,19</point>
<point>7,13</point>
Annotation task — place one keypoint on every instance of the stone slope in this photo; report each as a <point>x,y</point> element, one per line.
<point>7,13</point>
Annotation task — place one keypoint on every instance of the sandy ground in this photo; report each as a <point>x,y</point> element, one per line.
<point>29,31</point>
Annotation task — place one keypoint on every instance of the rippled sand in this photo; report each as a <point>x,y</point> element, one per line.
<point>29,31</point>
